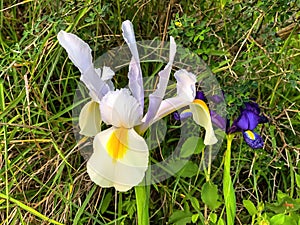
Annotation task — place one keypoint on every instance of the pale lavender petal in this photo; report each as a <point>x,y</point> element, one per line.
<point>135,72</point>
<point>170,105</point>
<point>80,54</point>
<point>78,51</point>
<point>97,87</point>
<point>157,96</point>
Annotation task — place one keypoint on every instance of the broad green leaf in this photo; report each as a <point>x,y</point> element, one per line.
<point>193,145</point>
<point>209,195</point>
<point>180,217</point>
<point>250,207</point>
<point>221,222</point>
<point>189,170</point>
<point>281,219</point>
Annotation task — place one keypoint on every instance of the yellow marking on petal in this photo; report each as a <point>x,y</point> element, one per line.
<point>250,134</point>
<point>117,144</point>
<point>186,111</point>
<point>202,103</point>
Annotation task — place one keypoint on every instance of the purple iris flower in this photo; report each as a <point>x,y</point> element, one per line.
<point>247,121</point>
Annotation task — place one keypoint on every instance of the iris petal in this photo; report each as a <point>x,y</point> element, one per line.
<point>186,92</point>
<point>110,165</point>
<point>135,72</point>
<point>202,117</point>
<point>120,109</point>
<point>78,51</point>
<point>157,96</point>
<point>90,119</point>
<point>218,120</point>
<point>253,139</point>
<point>247,120</point>
<point>80,54</point>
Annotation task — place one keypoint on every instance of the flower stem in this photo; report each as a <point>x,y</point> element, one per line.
<point>228,190</point>
<point>142,195</point>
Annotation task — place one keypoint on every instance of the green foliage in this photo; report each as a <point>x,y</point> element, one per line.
<point>251,46</point>
<point>209,195</point>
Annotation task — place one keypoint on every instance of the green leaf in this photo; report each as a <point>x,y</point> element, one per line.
<point>106,201</point>
<point>213,217</point>
<point>221,222</point>
<point>250,207</point>
<point>195,218</point>
<point>209,195</point>
<point>195,203</point>
<point>189,170</point>
<point>180,217</point>
<point>193,145</point>
<point>281,219</point>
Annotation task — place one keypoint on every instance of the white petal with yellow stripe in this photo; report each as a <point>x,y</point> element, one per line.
<point>120,159</point>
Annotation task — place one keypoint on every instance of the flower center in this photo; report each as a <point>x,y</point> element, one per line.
<point>117,144</point>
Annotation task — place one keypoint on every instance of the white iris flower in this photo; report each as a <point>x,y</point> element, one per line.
<point>120,153</point>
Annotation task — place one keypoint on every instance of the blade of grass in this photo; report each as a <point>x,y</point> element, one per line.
<point>83,206</point>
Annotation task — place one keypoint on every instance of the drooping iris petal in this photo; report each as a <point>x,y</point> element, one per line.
<point>248,120</point>
<point>157,96</point>
<point>253,139</point>
<point>78,51</point>
<point>217,99</point>
<point>120,159</point>
<point>201,116</point>
<point>90,119</point>
<point>135,72</point>
<point>218,120</point>
<point>120,109</point>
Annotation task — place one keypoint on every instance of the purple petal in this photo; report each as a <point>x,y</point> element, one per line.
<point>183,115</point>
<point>247,120</point>
<point>253,139</point>
<point>176,115</point>
<point>263,119</point>
<point>234,128</point>
<point>218,120</point>
<point>253,107</point>
<point>217,98</point>
<point>200,95</point>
